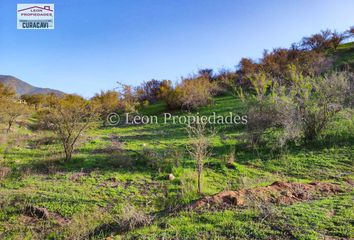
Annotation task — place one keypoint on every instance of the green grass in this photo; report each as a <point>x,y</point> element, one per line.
<point>136,175</point>
<point>344,56</point>
<point>113,181</point>
<point>328,217</point>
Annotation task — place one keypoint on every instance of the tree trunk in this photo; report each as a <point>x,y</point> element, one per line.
<point>199,169</point>
<point>199,184</point>
<point>9,126</point>
<point>68,154</point>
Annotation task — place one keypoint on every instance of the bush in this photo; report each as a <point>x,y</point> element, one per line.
<point>107,102</point>
<point>150,91</point>
<point>302,110</point>
<point>190,94</point>
<point>131,218</point>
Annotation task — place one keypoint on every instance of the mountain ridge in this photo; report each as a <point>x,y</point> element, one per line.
<point>21,87</point>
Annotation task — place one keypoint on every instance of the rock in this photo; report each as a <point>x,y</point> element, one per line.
<point>38,212</point>
<point>170,177</point>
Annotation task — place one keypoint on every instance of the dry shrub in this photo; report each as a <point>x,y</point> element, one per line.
<point>4,172</point>
<point>190,94</point>
<point>84,224</point>
<point>107,102</point>
<point>131,218</point>
<point>301,111</point>
<point>161,161</point>
<point>199,147</point>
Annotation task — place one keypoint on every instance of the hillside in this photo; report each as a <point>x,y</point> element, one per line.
<point>113,187</point>
<point>140,181</point>
<point>22,87</point>
<point>344,56</point>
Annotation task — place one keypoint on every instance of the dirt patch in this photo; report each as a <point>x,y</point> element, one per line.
<point>350,182</point>
<point>32,214</point>
<point>37,212</point>
<point>60,220</point>
<point>278,193</point>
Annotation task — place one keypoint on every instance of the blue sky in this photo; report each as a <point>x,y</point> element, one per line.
<point>96,43</point>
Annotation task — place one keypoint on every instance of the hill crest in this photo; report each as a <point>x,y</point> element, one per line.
<point>21,87</point>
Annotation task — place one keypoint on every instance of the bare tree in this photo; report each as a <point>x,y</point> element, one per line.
<point>350,32</point>
<point>199,147</point>
<point>69,117</point>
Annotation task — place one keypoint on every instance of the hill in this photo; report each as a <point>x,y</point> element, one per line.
<point>22,87</point>
<point>118,185</point>
<point>344,56</point>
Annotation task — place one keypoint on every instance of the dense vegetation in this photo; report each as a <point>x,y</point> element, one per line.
<point>65,173</point>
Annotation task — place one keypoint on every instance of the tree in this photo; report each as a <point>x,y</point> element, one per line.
<point>324,40</point>
<point>318,41</point>
<point>207,73</point>
<point>69,117</point>
<point>6,91</point>
<point>350,32</point>
<point>199,147</point>
<point>128,97</point>
<point>35,100</point>
<point>10,110</point>
<point>107,102</point>
<point>336,39</point>
<point>150,91</point>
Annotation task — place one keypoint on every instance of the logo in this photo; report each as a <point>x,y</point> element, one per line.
<point>35,16</point>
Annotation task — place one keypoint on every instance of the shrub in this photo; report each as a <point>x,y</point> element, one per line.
<point>160,161</point>
<point>304,109</point>
<point>190,94</point>
<point>318,100</point>
<point>107,102</point>
<point>323,40</point>
<point>128,98</point>
<point>131,218</point>
<point>151,90</point>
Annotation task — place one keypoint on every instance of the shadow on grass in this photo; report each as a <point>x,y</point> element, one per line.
<point>123,161</point>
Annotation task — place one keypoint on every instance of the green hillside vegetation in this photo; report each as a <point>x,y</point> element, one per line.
<point>96,187</point>
<point>117,184</point>
<point>344,56</point>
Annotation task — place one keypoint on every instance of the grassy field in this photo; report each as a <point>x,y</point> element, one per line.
<point>117,186</point>
<point>118,178</point>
